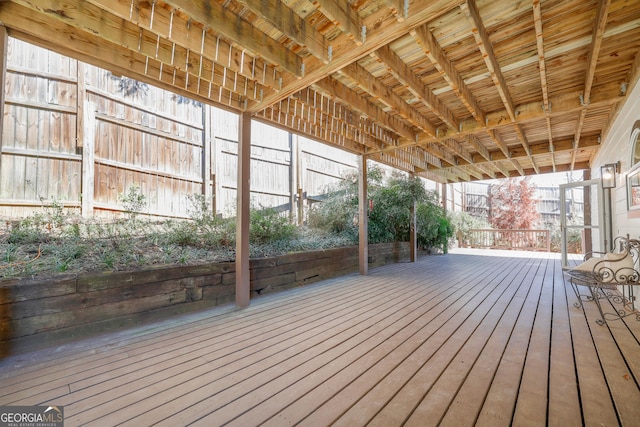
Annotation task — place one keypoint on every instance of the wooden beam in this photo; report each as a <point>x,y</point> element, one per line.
<point>602,12</point>
<point>458,150</point>
<point>438,151</point>
<point>217,17</point>
<point>537,22</point>
<point>516,164</point>
<point>505,170</point>
<point>243,281</point>
<point>399,8</point>
<point>485,169</point>
<point>439,59</point>
<point>422,159</point>
<point>535,166</point>
<point>51,33</point>
<point>523,138</point>
<point>171,28</point>
<point>413,235</point>
<point>562,146</point>
<point>342,15</point>
<point>363,209</point>
<point>481,149</point>
<point>498,141</point>
<point>569,102</point>
<point>292,25</point>
<point>484,45</point>
<point>350,97</point>
<point>472,171</point>
<point>384,94</point>
<point>401,71</point>
<point>346,53</point>
<point>502,168</point>
<point>546,106</point>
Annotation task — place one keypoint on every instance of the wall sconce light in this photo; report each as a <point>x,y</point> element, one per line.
<point>608,174</point>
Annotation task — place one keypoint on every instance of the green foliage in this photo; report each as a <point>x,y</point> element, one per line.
<point>133,201</point>
<point>268,225</point>
<point>27,230</point>
<point>433,226</point>
<point>389,218</point>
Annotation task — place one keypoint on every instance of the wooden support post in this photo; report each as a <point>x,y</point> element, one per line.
<point>363,206</point>
<point>88,156</point>
<point>444,197</point>
<point>243,283</point>
<point>413,235</point>
<point>4,46</point>
<point>293,166</point>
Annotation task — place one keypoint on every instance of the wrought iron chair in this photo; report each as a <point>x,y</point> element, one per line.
<point>605,276</point>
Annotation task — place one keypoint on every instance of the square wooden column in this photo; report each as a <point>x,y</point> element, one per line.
<point>413,235</point>
<point>363,206</point>
<point>243,283</point>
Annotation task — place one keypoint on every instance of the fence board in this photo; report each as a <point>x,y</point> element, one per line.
<point>169,145</point>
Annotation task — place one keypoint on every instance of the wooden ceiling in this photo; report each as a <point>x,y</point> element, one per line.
<point>450,90</point>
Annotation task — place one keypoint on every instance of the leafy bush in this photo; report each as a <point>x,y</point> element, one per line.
<point>133,201</point>
<point>268,225</point>
<point>434,228</point>
<point>389,213</point>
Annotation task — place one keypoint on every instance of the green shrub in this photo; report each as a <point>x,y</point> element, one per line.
<point>434,229</point>
<point>133,201</point>
<point>268,225</point>
<point>389,213</point>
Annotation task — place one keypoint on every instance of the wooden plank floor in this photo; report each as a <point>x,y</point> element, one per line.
<point>459,339</point>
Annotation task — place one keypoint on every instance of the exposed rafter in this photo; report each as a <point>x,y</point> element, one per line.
<point>340,91</point>
<point>486,48</point>
<point>459,99</point>
<point>384,94</point>
<point>602,11</point>
<point>436,55</point>
<point>345,17</point>
<point>401,71</point>
<point>292,25</point>
<point>213,15</point>
<point>345,54</point>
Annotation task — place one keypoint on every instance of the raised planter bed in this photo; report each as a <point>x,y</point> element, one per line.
<point>42,311</point>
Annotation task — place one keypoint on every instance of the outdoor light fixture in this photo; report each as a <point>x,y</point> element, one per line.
<point>608,175</point>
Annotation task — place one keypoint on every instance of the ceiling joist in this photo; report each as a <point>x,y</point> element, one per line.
<point>513,89</point>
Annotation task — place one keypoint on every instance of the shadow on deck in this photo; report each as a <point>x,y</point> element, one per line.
<point>458,339</point>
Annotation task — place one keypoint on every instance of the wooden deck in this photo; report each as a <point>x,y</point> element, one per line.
<point>458,339</point>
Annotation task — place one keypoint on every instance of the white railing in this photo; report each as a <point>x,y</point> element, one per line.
<point>521,240</point>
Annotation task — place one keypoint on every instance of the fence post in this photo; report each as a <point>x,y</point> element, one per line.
<point>207,178</point>
<point>88,157</point>
<point>4,45</point>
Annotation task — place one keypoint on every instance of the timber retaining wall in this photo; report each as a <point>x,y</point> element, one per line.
<point>43,311</point>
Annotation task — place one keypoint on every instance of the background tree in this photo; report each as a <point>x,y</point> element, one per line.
<point>513,205</point>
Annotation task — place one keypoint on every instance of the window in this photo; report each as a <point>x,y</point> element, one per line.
<point>633,177</point>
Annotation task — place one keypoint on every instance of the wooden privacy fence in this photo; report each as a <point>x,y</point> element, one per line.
<point>523,240</point>
<point>76,135</point>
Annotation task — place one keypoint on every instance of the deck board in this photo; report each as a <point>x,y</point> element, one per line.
<point>459,339</point>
